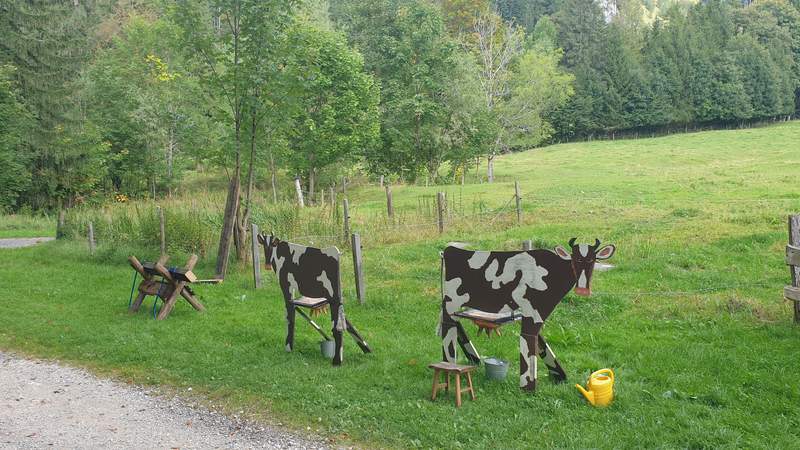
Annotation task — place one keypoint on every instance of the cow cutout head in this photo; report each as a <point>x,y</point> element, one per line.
<point>270,242</point>
<point>582,258</point>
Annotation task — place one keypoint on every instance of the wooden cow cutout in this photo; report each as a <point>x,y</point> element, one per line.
<point>528,283</point>
<point>315,274</point>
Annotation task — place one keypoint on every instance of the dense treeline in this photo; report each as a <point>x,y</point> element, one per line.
<point>104,97</point>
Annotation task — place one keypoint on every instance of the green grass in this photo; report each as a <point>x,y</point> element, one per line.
<point>20,226</point>
<point>692,320</point>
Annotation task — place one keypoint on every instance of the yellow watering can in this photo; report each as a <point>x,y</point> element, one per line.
<point>601,388</point>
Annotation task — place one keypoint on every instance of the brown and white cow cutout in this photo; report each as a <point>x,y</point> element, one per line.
<point>315,274</point>
<point>531,283</point>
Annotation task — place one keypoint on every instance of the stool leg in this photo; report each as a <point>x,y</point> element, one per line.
<point>471,389</point>
<point>458,390</point>
<point>435,383</point>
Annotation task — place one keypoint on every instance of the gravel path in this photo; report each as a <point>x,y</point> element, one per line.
<point>45,405</point>
<point>22,242</point>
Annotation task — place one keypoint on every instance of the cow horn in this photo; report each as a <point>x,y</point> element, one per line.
<point>596,243</point>
<point>572,242</point>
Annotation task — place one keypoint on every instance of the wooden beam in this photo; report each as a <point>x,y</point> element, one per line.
<point>792,293</point>
<point>792,255</point>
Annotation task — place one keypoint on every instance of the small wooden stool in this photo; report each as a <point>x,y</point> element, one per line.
<point>449,368</point>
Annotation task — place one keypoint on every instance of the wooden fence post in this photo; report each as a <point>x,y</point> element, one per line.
<point>62,218</point>
<point>440,210</point>
<point>91,238</point>
<point>321,197</point>
<point>389,202</point>
<point>344,186</point>
<point>527,245</point>
<point>162,230</point>
<point>299,191</point>
<point>358,267</point>
<point>346,215</point>
<point>519,202</point>
<point>256,255</point>
<point>794,240</point>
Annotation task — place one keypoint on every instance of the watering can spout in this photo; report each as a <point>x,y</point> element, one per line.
<point>589,395</point>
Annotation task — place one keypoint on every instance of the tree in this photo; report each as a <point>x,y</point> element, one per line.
<point>498,46</point>
<point>14,119</point>
<point>333,109</point>
<point>233,43</point>
<point>48,44</point>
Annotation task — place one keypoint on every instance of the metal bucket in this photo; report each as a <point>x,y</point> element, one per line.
<point>328,348</point>
<point>496,369</point>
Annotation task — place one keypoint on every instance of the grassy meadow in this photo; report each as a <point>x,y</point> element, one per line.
<point>692,319</point>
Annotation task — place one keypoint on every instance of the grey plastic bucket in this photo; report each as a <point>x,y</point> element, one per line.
<point>328,348</point>
<point>496,369</point>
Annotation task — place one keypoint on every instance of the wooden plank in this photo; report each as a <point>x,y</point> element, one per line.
<point>346,218</point>
<point>389,201</point>
<point>358,267</point>
<point>91,238</point>
<point>527,245</point>
<point>792,293</point>
<point>256,255</point>
<point>792,255</point>
<point>299,191</point>
<point>794,240</point>
<point>440,210</point>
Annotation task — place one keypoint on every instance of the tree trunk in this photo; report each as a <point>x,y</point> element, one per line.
<point>272,178</point>
<point>228,224</point>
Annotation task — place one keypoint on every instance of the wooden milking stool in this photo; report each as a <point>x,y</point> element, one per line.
<point>457,369</point>
<point>172,283</point>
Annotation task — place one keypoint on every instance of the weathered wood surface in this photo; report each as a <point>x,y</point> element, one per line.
<point>299,191</point>
<point>256,255</point>
<point>792,293</point>
<point>346,215</point>
<point>91,238</point>
<point>527,245</point>
<point>440,210</point>
<point>389,202</point>
<point>794,241</point>
<point>792,255</point>
<point>358,267</point>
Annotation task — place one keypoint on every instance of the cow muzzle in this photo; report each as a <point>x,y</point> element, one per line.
<point>583,291</point>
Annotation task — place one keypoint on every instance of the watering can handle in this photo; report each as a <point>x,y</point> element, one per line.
<point>602,371</point>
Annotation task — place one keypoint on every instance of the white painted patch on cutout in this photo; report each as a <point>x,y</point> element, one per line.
<point>326,282</point>
<point>478,259</point>
<point>296,251</point>
<point>451,291</point>
<point>448,342</point>
<point>333,252</point>
<point>341,325</point>
<point>293,287</point>
<point>584,249</point>
<point>582,279</point>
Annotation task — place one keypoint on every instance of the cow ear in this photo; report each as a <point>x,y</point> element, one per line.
<point>563,253</point>
<point>606,252</point>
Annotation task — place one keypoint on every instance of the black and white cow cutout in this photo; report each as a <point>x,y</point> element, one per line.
<point>315,274</point>
<point>530,283</point>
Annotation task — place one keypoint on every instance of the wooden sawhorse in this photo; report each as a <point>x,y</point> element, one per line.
<point>168,287</point>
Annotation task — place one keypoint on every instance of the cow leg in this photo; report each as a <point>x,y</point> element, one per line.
<point>466,345</point>
<point>528,341</point>
<point>339,325</point>
<point>449,337</point>
<point>359,340</point>
<point>553,366</point>
<point>290,316</point>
